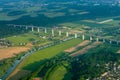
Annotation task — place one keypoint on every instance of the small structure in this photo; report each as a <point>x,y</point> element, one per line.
<point>4,43</point>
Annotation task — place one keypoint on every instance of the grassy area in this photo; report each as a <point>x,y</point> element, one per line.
<point>113,23</point>
<point>54,14</point>
<point>25,38</point>
<point>48,53</point>
<point>58,73</point>
<point>4,16</point>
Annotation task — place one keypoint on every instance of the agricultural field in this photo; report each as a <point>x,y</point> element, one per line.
<point>68,55</point>
<point>11,52</point>
<point>26,38</point>
<point>64,62</point>
<point>39,56</point>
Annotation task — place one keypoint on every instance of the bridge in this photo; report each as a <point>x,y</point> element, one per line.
<point>59,32</point>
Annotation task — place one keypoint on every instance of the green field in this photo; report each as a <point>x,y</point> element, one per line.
<point>26,38</point>
<point>113,23</point>
<point>57,73</point>
<point>49,52</point>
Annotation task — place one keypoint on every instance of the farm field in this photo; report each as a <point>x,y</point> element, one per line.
<point>50,52</point>
<point>59,40</point>
<point>57,73</point>
<point>26,38</point>
<point>86,49</point>
<point>12,51</point>
<point>84,43</point>
<point>46,54</point>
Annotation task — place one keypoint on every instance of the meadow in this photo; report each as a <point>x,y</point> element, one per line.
<point>27,38</point>
<point>49,52</point>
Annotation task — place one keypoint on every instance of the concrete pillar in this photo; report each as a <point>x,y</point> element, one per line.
<point>26,27</point>
<point>110,42</point>
<point>117,42</point>
<point>67,34</point>
<point>83,37</point>
<point>45,30</point>
<point>14,25</point>
<point>32,29</point>
<point>60,33</point>
<point>103,40</point>
<point>38,29</point>
<point>20,26</point>
<point>97,39</point>
<point>52,32</point>
<point>76,35</point>
<point>91,38</point>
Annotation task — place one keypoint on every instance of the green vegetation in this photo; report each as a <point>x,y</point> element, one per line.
<point>62,67</point>
<point>93,62</point>
<point>50,63</point>
<point>29,37</point>
<point>54,14</point>
<point>47,53</point>
<point>57,73</point>
<point>7,63</point>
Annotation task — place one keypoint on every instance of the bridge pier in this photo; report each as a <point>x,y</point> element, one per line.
<point>32,29</point>
<point>20,26</point>
<point>60,33</point>
<point>45,30</point>
<point>67,34</point>
<point>91,38</point>
<point>52,32</point>
<point>97,39</point>
<point>26,27</point>
<point>110,42</point>
<point>76,35</point>
<point>103,40</point>
<point>83,37</point>
<point>38,29</point>
<point>117,42</point>
<point>14,26</point>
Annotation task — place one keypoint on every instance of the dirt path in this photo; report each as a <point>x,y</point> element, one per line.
<point>84,50</point>
<point>84,43</point>
<point>11,51</point>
